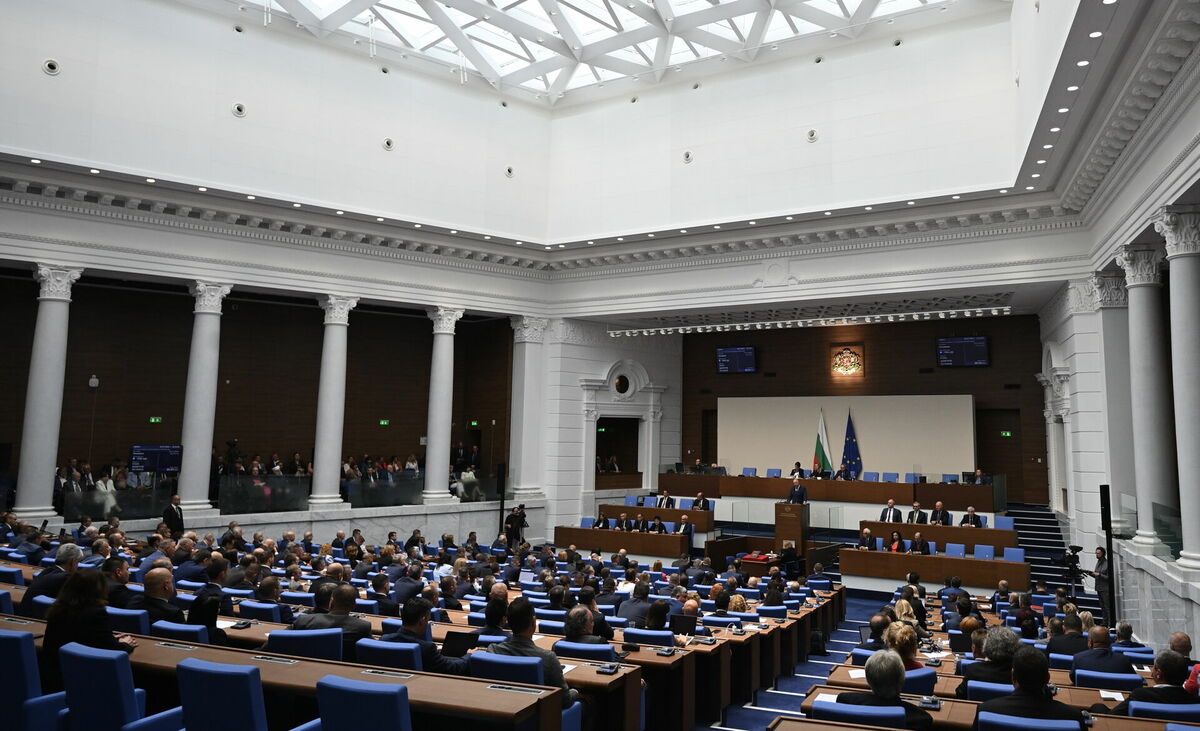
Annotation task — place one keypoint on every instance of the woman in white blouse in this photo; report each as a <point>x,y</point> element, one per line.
<point>106,492</point>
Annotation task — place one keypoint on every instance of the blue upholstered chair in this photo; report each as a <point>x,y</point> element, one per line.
<point>585,650</point>
<point>587,522</point>
<point>1108,681</point>
<point>986,553</point>
<point>258,610</point>
<point>859,656</point>
<point>366,606</point>
<point>631,500</point>
<point>11,575</point>
<point>40,605</point>
<point>135,621</point>
<point>316,644</point>
<point>949,479</point>
<point>749,472</point>
<point>555,615</point>
<point>1061,662</point>
<point>870,477</point>
<point>405,655</point>
<point>978,690</point>
<point>344,703</point>
<point>774,472</point>
<point>551,627</point>
<point>518,670</point>
<point>754,594</point>
<point>1014,554</point>
<point>1165,711</point>
<point>987,721</point>
<point>486,640</point>
<point>956,550</point>
<point>1004,522</point>
<point>920,681</point>
<point>856,715</point>
<point>238,688</point>
<point>99,685</point>
<point>775,612</point>
<point>910,477</point>
<point>820,584</point>
<point>26,709</point>
<point>650,637</point>
<point>182,632</point>
<point>301,598</point>
<point>712,621</point>
<point>891,476</point>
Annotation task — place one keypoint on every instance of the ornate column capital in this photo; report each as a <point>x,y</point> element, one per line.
<point>209,296</point>
<point>1180,227</point>
<point>1110,289</point>
<point>56,281</point>
<point>444,319</point>
<point>1142,264</point>
<point>529,329</point>
<point>337,308</point>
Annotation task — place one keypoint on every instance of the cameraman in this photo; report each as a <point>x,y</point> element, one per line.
<point>1103,575</point>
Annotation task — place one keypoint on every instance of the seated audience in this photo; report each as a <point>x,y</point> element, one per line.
<point>634,609</point>
<point>579,626</point>
<point>521,622</point>
<point>903,639</point>
<point>1030,674</point>
<point>885,678</point>
<point>267,592</point>
<point>866,542</point>
<point>1166,685</point>
<point>414,619</point>
<point>999,647</point>
<point>78,615</point>
<point>1125,636</point>
<point>494,617</point>
<point>341,604</point>
<point>155,598</point>
<point>879,625</point>
<point>1099,656</point>
<point>1072,641</point>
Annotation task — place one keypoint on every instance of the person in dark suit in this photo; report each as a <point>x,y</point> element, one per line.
<point>579,626</point>
<point>155,598</point>
<point>916,515</point>
<point>78,615</point>
<point>951,590</point>
<point>885,677</point>
<point>879,624</point>
<point>380,592</point>
<point>218,570</point>
<point>267,592</point>
<point>52,579</point>
<point>340,606</point>
<point>1072,641</point>
<point>493,618</point>
<point>1030,673</point>
<point>624,523</point>
<point>1125,636</point>
<point>1166,685</point>
<point>890,514</point>
<point>866,542</point>
<point>1099,656</point>
<point>798,494</point>
<point>683,526</point>
<point>657,526</point>
<point>843,473</point>
<point>640,525</point>
<point>701,502</point>
<point>634,609</point>
<point>970,519</point>
<point>818,574</point>
<point>919,545</point>
<point>116,576</point>
<point>981,478</point>
<point>414,619</point>
<point>173,517</point>
<point>999,647</point>
<point>665,501</point>
<point>939,515</point>
<point>601,522</point>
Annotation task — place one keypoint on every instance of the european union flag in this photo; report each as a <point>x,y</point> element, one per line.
<point>850,454</point>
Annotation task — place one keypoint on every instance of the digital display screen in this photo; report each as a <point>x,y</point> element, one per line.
<point>962,352</point>
<point>736,360</point>
<point>144,458</point>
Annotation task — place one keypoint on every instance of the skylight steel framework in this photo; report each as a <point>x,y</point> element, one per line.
<point>546,48</point>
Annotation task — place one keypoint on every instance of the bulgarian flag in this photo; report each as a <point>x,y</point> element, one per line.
<point>821,461</point>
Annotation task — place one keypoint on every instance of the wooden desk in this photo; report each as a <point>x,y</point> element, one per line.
<point>618,480</point>
<point>702,519</point>
<point>956,498</point>
<point>958,715</point>
<point>27,571</point>
<point>1103,723</point>
<point>669,545</point>
<point>973,572</point>
<point>944,534</point>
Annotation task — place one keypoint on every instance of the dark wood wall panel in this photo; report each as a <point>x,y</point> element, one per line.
<point>796,363</point>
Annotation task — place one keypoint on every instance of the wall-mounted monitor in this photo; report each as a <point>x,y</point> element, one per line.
<point>147,458</point>
<point>964,352</point>
<point>736,360</point>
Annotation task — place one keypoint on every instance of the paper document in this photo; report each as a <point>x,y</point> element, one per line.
<point>828,697</point>
<point>538,637</point>
<point>225,623</point>
<point>567,668</point>
<point>1111,695</point>
<point>858,673</point>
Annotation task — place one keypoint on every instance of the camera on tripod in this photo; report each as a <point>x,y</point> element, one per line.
<point>1070,559</point>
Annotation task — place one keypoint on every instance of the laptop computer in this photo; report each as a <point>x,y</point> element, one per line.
<point>683,624</point>
<point>960,642</point>
<point>458,644</point>
<point>527,576</point>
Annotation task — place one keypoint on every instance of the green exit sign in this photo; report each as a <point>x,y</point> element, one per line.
<point>1006,434</point>
<point>600,428</point>
<point>474,422</point>
<point>155,419</point>
<point>385,422</point>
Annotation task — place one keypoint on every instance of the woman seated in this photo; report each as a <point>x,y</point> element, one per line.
<point>737,603</point>
<point>895,544</point>
<point>656,619</point>
<point>905,614</point>
<point>78,615</point>
<point>903,639</point>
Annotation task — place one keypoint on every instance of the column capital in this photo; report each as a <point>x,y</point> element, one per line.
<point>1180,227</point>
<point>1110,289</point>
<point>1142,264</point>
<point>444,319</point>
<point>337,308</point>
<point>209,296</point>
<point>528,329</point>
<point>56,281</point>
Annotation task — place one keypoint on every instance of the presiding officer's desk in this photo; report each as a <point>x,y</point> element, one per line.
<point>702,519</point>
<point>883,571</point>
<point>943,534</point>
<point>956,497</point>
<point>609,541</point>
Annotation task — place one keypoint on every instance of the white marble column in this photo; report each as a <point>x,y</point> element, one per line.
<point>44,394</point>
<point>1180,226</point>
<point>200,400</point>
<point>1153,436</point>
<point>441,404</point>
<point>331,402</point>
<point>1054,457</point>
<point>525,427</point>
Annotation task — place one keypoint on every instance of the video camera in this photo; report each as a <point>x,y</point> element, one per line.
<point>1070,559</point>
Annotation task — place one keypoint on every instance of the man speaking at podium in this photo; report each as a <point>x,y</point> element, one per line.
<point>798,493</point>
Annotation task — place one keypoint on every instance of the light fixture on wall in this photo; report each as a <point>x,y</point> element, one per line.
<point>810,322</point>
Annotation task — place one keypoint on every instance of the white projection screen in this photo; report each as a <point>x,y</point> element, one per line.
<point>928,435</point>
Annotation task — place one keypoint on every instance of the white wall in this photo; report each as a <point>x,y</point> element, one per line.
<point>1039,31</point>
<point>922,434</point>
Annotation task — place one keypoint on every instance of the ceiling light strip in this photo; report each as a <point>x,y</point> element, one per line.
<point>839,321</point>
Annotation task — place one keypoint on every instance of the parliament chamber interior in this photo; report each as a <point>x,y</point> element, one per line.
<point>664,365</point>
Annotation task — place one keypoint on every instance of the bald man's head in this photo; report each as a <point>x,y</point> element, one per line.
<point>157,583</point>
<point>1181,643</point>
<point>1098,636</point>
<point>499,591</point>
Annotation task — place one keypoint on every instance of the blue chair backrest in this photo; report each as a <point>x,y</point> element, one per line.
<point>617,622</point>
<point>1061,662</point>
<point>977,690</point>
<point>988,721</point>
<point>949,479</point>
<point>406,655</point>
<point>485,640</point>
<point>189,585</point>
<point>301,598</point>
<point>258,610</point>
<point>650,637</point>
<point>19,655</point>
<point>318,644</point>
<point>556,615</point>
<point>878,543</point>
<point>920,681</point>
<point>505,667</point>
<point>957,550</point>
<point>750,593</point>
<point>859,656</point>
<point>135,621</point>
<point>587,522</point>
<point>983,521</point>
<point>238,688</point>
<point>870,477</point>
<point>366,606</point>
<point>585,650</point>
<point>40,605</point>
<point>608,610</point>
<point>243,593</point>
<point>820,584</point>
<point>670,525</point>
<point>891,476</point>
<point>749,472</point>
<point>776,612</point>
<point>476,619</point>
<point>99,683</point>
<point>1014,554</point>
<point>344,703</point>
<point>686,503</point>
<point>1140,658</point>
<point>774,472</point>
<point>1108,681</point>
<point>711,621</point>
<point>878,716</point>
<point>910,477</point>
<point>182,632</point>
<point>1165,711</point>
<point>551,627</point>
<point>1003,522</point>
<point>10,575</point>
<point>985,552</point>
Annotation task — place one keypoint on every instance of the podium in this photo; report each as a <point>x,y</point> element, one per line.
<point>791,524</point>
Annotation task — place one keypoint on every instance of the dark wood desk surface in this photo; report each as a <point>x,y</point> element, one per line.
<point>944,534</point>
<point>670,545</point>
<point>618,480</point>
<point>955,497</point>
<point>703,519</point>
<point>1101,722</point>
<point>973,572</point>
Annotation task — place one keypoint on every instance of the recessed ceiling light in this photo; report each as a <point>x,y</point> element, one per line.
<point>1081,64</point>
<point>683,230</point>
<point>753,223</point>
<point>94,171</point>
<point>379,218</point>
<point>202,189</point>
<point>828,213</point>
<point>1028,187</point>
<point>1107,2</point>
<point>620,238</point>
<point>1047,147</point>
<point>547,248</point>
<point>416,225</point>
<point>1072,88</point>
<point>1004,190</point>
<point>295,205</point>
<point>650,235</point>
<point>487,238</point>
<point>956,197</point>
<point>912,203</point>
<point>590,243</point>
<point>717,226</point>
<point>866,208</point>
<point>519,243</point>
<point>1041,162</point>
<point>151,180</point>
<point>1063,110</point>
<point>453,231</point>
<point>1036,175</point>
<point>340,213</point>
<point>249,197</point>
<point>1095,34</point>
<point>1056,129</point>
<point>35,161</point>
<point>789,218</point>
<point>562,246</point>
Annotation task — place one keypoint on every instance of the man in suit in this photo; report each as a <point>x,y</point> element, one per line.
<point>1166,685</point>
<point>866,542</point>
<point>173,517</point>
<point>267,592</point>
<point>1125,636</point>
<point>1099,657</point>
<point>701,502</point>
<point>885,677</point>
<point>116,576</point>
<point>818,574</point>
<point>521,622</point>
<point>916,515</point>
<point>980,478</point>
<point>409,585</point>
<point>798,494</point>
<point>680,563</point>
<point>999,647</point>
<point>640,525</point>
<point>1102,574</point>
<point>50,581</point>
<point>579,625</point>
<point>970,519</point>
<point>918,545</point>
<point>195,568</point>
<point>624,523</point>
<point>665,501</point>
<point>1072,641</point>
<point>634,609</point>
<point>683,526</point>
<point>1030,673</point>
<point>340,606</point>
<point>890,514</point>
<point>414,619</point>
<point>843,473</point>
<point>155,597</point>
<point>218,571</point>
<point>879,624</point>
<point>951,590</point>
<point>939,515</point>
<point>657,526</point>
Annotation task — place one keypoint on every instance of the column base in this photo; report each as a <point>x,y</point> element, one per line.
<point>34,514</point>
<point>1188,561</point>
<point>438,498</point>
<point>1147,543</point>
<point>528,492</point>
<point>327,501</point>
